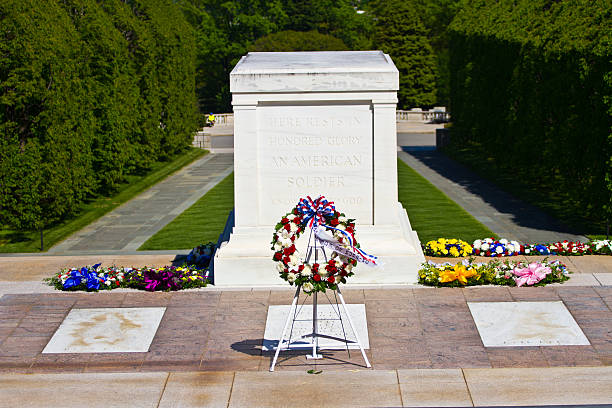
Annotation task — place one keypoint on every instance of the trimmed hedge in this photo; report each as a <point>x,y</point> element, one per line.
<point>531,95</point>
<point>90,91</point>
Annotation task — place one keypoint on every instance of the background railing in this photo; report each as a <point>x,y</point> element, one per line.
<point>436,115</point>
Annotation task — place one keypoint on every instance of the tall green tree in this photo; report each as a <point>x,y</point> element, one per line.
<point>400,33</point>
<point>290,40</point>
<point>45,123</point>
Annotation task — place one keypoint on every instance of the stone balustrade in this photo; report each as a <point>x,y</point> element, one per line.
<point>437,114</point>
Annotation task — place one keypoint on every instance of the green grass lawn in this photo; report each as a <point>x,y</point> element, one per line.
<point>200,223</point>
<point>432,214</point>
<point>16,241</point>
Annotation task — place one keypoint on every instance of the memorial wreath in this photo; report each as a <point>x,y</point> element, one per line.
<point>331,229</point>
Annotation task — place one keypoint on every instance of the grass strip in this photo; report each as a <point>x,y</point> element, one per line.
<point>27,241</point>
<point>432,214</point>
<point>200,223</point>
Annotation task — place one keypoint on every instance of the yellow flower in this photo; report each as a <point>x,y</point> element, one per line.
<point>454,251</point>
<point>459,272</point>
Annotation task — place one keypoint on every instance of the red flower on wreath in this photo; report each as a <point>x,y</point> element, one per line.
<point>331,279</point>
<point>316,277</point>
<point>278,256</point>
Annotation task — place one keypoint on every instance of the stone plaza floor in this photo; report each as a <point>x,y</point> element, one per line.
<point>425,346</point>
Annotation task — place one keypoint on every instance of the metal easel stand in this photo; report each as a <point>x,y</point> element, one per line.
<point>315,334</point>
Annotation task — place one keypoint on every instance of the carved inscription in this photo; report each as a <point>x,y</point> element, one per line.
<point>316,150</point>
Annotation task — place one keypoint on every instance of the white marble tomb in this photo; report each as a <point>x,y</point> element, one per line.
<point>316,123</point>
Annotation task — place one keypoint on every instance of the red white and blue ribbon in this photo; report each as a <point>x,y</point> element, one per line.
<point>351,251</point>
<point>315,211</point>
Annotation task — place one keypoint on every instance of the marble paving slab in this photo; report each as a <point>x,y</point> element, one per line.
<point>106,330</point>
<point>503,324</point>
<point>329,325</point>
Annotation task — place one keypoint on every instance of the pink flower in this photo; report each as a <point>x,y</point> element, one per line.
<point>531,275</point>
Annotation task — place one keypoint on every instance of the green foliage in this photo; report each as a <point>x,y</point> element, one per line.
<point>224,31</point>
<point>134,184</point>
<point>298,41</point>
<point>531,96</point>
<point>400,33</point>
<point>90,92</point>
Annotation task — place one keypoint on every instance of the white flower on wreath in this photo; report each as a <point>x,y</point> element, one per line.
<point>294,260</point>
<point>484,247</point>
<point>341,227</point>
<point>488,240</point>
<point>294,227</point>
<point>278,246</point>
<point>349,267</point>
<point>322,272</point>
<point>291,277</point>
<point>503,241</point>
<point>307,271</point>
<point>307,287</point>
<point>338,278</point>
<point>499,250</point>
<point>342,219</point>
<point>280,266</point>
<point>286,242</point>
<point>291,217</point>
<point>285,233</point>
<point>477,244</point>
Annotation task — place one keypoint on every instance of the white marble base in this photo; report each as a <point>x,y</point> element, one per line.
<point>503,324</point>
<point>329,326</point>
<point>106,330</point>
<point>246,260</point>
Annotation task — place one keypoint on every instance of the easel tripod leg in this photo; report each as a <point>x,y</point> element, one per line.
<point>282,338</point>
<point>348,316</point>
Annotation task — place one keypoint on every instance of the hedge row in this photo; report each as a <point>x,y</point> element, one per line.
<point>90,91</point>
<point>531,92</point>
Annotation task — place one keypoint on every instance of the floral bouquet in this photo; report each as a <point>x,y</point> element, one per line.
<point>167,278</point>
<point>89,278</point>
<point>536,249</point>
<point>95,278</point>
<point>529,273</point>
<point>464,273</point>
<point>443,247</point>
<point>494,248</point>
<point>569,248</point>
<point>601,247</point>
<point>496,272</point>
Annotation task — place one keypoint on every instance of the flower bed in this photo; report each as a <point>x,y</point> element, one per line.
<point>496,272</point>
<point>447,248</point>
<point>95,278</point>
<point>490,247</point>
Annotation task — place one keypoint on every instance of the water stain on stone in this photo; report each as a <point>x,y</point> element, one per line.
<point>80,332</point>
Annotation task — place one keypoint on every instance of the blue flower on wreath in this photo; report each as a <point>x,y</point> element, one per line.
<point>542,249</point>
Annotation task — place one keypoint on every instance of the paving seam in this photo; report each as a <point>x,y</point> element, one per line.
<point>161,394</point>
<point>467,387</point>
